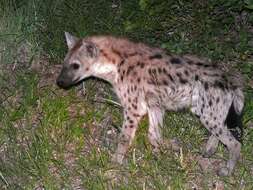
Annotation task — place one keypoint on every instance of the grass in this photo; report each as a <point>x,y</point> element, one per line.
<point>56,139</point>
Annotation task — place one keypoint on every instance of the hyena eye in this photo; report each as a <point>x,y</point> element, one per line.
<point>75,66</point>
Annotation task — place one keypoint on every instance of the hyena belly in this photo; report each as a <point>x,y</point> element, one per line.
<point>170,98</point>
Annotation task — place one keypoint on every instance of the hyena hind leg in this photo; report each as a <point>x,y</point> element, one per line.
<point>234,149</point>
<point>211,146</point>
<point>222,133</point>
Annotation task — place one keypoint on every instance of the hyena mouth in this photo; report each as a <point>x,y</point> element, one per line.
<point>76,80</point>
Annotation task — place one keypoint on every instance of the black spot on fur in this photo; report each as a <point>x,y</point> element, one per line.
<point>170,77</point>
<point>159,70</point>
<point>219,84</point>
<point>165,82</point>
<point>134,106</point>
<point>183,81</point>
<point>190,62</point>
<point>174,60</point>
<point>179,75</point>
<point>156,56</point>
<point>186,72</point>
<point>210,103</point>
<point>217,100</point>
<point>140,64</point>
<point>206,86</point>
<point>203,65</point>
<point>223,76</point>
<point>199,64</point>
<point>234,123</point>
<point>122,62</point>
<point>165,71</point>
<point>150,71</point>
<point>130,68</point>
<point>196,77</point>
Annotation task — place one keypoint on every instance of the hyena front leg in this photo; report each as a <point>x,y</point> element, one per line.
<point>211,146</point>
<point>155,115</point>
<point>130,125</point>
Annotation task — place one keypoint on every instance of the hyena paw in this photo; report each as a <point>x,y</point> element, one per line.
<point>117,158</point>
<point>224,171</point>
<point>156,150</point>
<point>208,153</point>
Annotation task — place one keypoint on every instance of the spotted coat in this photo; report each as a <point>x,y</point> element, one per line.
<point>149,81</point>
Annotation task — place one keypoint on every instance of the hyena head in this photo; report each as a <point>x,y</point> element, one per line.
<point>81,55</point>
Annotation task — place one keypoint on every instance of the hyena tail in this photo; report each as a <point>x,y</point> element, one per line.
<point>234,117</point>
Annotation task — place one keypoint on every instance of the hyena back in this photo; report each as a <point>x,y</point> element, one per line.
<point>149,81</point>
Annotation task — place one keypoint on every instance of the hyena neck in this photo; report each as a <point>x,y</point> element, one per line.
<point>107,63</point>
<point>105,71</point>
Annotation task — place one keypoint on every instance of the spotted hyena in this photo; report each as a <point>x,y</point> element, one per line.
<point>149,81</point>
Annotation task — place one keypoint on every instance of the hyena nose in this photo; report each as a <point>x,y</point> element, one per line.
<point>60,83</point>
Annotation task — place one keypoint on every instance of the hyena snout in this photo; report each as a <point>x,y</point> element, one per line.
<point>65,80</point>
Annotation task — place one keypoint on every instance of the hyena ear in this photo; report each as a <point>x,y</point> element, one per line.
<point>91,49</point>
<point>71,40</point>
